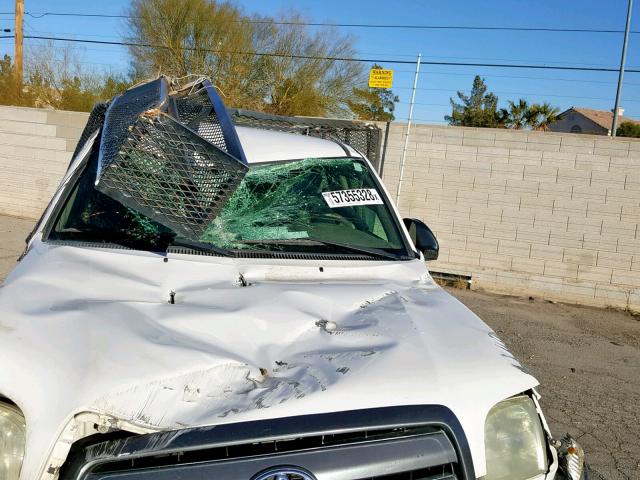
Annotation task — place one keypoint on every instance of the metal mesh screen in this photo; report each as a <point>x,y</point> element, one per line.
<point>196,112</point>
<point>364,137</point>
<point>96,119</point>
<point>174,170</point>
<point>122,113</point>
<point>169,173</point>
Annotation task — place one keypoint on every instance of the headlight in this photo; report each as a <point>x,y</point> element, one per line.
<point>515,443</point>
<point>12,440</point>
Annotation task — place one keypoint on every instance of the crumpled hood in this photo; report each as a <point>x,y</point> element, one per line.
<point>86,329</point>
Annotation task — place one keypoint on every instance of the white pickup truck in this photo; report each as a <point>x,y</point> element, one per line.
<point>300,338</point>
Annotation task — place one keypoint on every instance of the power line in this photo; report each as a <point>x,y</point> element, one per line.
<point>124,67</point>
<point>500,59</point>
<point>521,93</point>
<point>112,37</point>
<point>545,62</point>
<point>539,94</point>
<point>342,59</point>
<point>355,25</point>
<point>521,77</point>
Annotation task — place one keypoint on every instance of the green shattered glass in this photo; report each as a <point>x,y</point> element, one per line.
<point>284,201</point>
<point>277,206</point>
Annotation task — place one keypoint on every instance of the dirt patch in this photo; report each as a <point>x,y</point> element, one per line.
<point>588,363</point>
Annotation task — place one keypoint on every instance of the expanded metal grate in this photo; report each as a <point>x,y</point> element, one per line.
<point>196,112</point>
<point>96,119</point>
<point>171,174</point>
<point>174,170</point>
<point>364,137</point>
<point>121,115</point>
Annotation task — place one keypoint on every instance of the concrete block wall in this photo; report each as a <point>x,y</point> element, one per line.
<point>544,214</point>
<point>35,149</point>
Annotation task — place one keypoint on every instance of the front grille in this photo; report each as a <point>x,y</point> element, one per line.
<point>441,472</point>
<point>276,447</point>
<point>345,449</point>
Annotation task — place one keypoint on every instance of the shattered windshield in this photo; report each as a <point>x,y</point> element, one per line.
<point>308,206</point>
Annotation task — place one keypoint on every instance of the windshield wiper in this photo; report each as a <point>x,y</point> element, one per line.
<point>200,246</point>
<point>99,236</point>
<point>370,251</point>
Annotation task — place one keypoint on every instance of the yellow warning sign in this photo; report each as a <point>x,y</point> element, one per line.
<point>380,78</point>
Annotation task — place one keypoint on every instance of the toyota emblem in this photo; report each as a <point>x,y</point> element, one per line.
<point>284,473</point>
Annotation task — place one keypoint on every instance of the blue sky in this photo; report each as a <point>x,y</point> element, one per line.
<point>436,83</point>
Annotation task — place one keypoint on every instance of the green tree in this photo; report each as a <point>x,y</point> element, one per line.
<point>542,116</point>
<point>628,129</point>
<point>518,115</point>
<point>376,104</point>
<point>214,39</point>
<point>110,86</point>
<point>75,96</point>
<point>10,92</point>
<point>478,109</point>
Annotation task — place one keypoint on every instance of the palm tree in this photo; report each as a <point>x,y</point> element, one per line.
<point>542,116</point>
<point>517,116</point>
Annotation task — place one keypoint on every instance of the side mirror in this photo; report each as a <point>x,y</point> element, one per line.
<point>423,238</point>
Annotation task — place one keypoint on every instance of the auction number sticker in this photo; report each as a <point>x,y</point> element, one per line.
<point>352,198</point>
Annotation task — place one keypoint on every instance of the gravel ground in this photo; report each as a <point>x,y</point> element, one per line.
<point>586,359</point>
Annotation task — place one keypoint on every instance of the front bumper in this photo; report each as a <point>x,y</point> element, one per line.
<point>367,443</point>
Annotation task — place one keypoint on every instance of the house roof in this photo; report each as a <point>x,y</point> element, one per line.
<point>604,118</point>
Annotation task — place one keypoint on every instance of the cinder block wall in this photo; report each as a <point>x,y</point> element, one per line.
<point>544,214</point>
<point>35,149</point>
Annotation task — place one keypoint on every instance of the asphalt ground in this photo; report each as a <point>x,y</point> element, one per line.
<point>586,359</point>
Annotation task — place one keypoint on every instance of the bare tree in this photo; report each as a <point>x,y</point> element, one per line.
<point>51,70</point>
<point>57,78</point>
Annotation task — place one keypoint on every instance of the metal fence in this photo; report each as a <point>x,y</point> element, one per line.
<point>363,136</point>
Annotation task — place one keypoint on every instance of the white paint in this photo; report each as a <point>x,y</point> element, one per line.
<point>270,146</point>
<point>99,336</point>
<point>89,335</point>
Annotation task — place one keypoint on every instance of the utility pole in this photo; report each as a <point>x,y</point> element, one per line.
<point>614,125</point>
<point>18,41</point>
<point>406,138</point>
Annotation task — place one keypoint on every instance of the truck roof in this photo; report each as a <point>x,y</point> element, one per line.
<point>262,145</point>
